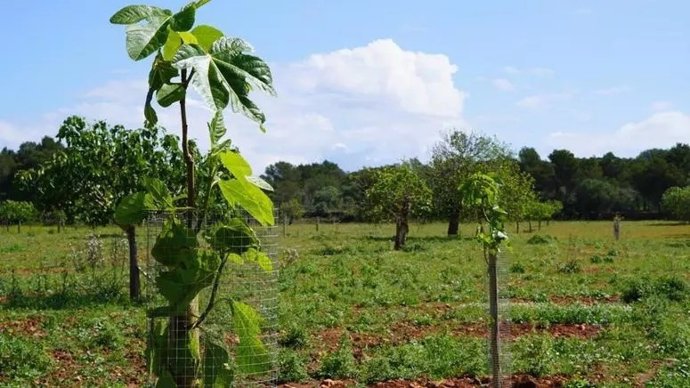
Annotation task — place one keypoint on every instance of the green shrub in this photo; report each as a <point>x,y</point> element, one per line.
<point>291,367</point>
<point>21,358</point>
<point>517,268</point>
<point>533,355</point>
<point>673,288</point>
<point>570,266</point>
<point>541,239</point>
<point>339,364</point>
<point>295,336</point>
<point>670,287</point>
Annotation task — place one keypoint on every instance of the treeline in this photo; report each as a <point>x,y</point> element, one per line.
<point>80,175</point>
<point>587,188</point>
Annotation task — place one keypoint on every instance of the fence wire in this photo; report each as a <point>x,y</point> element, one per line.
<point>244,282</point>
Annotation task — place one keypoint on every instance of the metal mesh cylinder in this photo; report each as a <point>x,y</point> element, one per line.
<point>241,281</point>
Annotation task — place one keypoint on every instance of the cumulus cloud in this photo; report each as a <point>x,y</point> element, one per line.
<point>660,130</point>
<point>372,104</point>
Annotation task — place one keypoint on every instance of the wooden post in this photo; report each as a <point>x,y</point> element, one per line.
<point>617,227</point>
<point>284,226</point>
<point>493,311</point>
<point>317,223</point>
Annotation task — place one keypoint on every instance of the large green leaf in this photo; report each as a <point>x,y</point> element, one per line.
<point>207,80</point>
<point>236,164</point>
<point>251,354</point>
<point>148,27</point>
<point>226,74</point>
<point>260,258</point>
<point>259,182</point>
<point>250,198</point>
<point>132,209</point>
<point>144,39</point>
<point>206,35</point>
<point>135,13</point>
<point>234,236</point>
<point>217,374</point>
<point>183,20</point>
<point>216,128</point>
<point>159,193</point>
<point>176,243</point>
<point>169,94</point>
<point>161,73</point>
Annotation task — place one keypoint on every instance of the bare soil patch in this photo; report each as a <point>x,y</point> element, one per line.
<point>31,327</point>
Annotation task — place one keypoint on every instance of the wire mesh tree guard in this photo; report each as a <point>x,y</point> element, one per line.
<point>249,364</point>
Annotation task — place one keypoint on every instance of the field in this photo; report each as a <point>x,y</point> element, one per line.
<point>581,309</point>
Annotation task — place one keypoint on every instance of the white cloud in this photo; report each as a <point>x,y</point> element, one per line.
<point>503,84</point>
<point>660,130</point>
<point>613,90</point>
<point>377,102</point>
<point>541,101</point>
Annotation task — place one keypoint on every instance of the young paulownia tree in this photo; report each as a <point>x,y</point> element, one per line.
<point>223,71</point>
<point>397,194</point>
<point>481,193</point>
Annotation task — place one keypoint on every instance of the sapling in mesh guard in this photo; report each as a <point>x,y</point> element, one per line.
<point>223,71</point>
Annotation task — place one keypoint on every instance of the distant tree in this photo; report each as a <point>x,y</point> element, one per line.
<point>292,210</point>
<point>29,155</point>
<point>99,165</point>
<point>16,213</point>
<point>456,157</point>
<point>542,211</point>
<point>397,194</point>
<point>286,180</point>
<point>566,169</point>
<point>540,170</point>
<point>653,175</point>
<point>355,192</point>
<point>517,190</point>
<point>326,202</point>
<point>595,197</point>
<point>676,203</point>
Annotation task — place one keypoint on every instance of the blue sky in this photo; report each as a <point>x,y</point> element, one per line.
<point>365,83</point>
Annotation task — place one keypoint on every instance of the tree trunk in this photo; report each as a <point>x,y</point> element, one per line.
<point>401,229</point>
<point>19,227</point>
<point>453,224</point>
<point>529,224</point>
<point>134,284</point>
<point>517,227</point>
<point>493,311</point>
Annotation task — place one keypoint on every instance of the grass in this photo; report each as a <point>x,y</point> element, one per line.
<point>594,311</point>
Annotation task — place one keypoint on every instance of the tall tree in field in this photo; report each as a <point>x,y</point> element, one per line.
<point>99,165</point>
<point>397,194</point>
<point>453,160</point>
